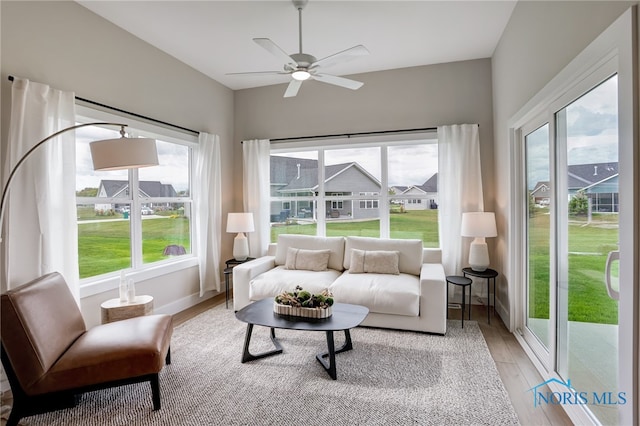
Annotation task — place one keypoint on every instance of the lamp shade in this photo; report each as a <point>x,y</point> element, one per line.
<point>240,222</point>
<point>124,153</point>
<point>479,224</point>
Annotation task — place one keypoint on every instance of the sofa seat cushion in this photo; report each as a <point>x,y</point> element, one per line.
<point>381,293</point>
<point>279,279</point>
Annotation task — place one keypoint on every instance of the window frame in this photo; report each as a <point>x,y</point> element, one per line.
<point>140,271</point>
<point>383,198</point>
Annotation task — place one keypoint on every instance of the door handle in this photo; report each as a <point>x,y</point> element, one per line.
<point>613,256</point>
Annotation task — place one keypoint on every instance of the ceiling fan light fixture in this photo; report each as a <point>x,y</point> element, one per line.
<point>300,75</point>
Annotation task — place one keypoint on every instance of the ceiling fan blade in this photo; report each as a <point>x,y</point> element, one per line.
<point>340,57</point>
<point>275,50</point>
<point>257,73</point>
<point>338,81</point>
<point>292,88</point>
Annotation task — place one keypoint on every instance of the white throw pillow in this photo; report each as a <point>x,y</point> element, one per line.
<point>309,242</point>
<point>308,260</point>
<point>374,261</point>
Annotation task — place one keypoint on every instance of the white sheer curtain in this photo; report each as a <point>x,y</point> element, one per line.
<point>41,233</point>
<point>256,165</point>
<point>207,198</point>
<point>459,189</point>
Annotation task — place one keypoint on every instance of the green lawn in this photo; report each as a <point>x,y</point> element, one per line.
<point>104,246</point>
<point>589,245</point>
<point>417,224</point>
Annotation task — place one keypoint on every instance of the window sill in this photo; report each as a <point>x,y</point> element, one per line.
<point>101,285</point>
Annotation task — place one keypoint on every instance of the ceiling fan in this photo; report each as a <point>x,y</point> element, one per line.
<point>302,66</point>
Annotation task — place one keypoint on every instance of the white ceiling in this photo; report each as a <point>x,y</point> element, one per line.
<point>215,37</point>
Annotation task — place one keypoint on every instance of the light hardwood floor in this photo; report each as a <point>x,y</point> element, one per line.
<point>516,370</point>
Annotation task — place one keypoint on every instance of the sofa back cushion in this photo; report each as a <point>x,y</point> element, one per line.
<point>308,242</point>
<point>410,251</point>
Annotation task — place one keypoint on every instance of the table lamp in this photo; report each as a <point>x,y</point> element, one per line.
<point>240,223</point>
<point>479,225</point>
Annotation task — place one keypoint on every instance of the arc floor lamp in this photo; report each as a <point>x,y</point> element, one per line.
<point>108,154</point>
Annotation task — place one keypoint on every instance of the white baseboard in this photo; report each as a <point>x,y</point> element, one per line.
<point>184,303</point>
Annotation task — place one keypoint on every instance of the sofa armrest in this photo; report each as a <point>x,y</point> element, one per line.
<point>433,295</point>
<point>431,255</point>
<point>242,276</point>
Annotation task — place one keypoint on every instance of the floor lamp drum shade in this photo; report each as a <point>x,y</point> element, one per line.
<point>479,225</point>
<point>240,223</point>
<point>123,153</point>
<point>109,154</point>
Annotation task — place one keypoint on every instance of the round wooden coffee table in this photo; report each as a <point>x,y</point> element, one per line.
<point>344,318</point>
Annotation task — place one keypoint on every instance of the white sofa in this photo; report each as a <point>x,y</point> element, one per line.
<point>412,298</point>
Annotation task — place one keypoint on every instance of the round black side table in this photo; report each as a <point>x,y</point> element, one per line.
<point>463,282</point>
<point>489,274</point>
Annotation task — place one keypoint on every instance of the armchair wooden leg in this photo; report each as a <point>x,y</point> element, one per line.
<point>155,391</point>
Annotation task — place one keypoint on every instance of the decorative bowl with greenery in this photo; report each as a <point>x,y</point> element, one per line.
<point>302,303</point>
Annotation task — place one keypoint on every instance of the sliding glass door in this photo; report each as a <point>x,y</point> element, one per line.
<point>572,232</point>
<point>588,235</point>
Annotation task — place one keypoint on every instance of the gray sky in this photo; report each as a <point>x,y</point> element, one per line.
<point>592,133</point>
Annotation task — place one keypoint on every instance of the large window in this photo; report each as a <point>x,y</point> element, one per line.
<point>133,218</point>
<point>385,189</point>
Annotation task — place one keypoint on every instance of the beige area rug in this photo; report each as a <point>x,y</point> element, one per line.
<point>389,378</point>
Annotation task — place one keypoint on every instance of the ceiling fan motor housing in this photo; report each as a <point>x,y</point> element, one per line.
<point>300,4</point>
<point>303,60</point>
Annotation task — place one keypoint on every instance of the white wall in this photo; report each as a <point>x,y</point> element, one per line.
<point>68,47</point>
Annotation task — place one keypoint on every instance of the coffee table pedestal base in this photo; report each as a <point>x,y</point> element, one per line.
<point>328,364</point>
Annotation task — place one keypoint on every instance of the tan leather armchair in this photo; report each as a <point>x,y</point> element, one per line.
<point>51,358</point>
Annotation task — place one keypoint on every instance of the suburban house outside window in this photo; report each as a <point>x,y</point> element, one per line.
<point>386,188</point>
<point>129,219</point>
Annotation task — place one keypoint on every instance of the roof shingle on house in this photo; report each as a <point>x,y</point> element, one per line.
<point>583,175</point>
<point>284,169</point>
<point>148,188</point>
<point>431,185</point>
<point>298,174</point>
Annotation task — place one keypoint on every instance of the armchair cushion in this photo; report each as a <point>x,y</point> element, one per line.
<point>142,344</point>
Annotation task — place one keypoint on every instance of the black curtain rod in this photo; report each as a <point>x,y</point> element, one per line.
<point>350,135</point>
<point>11,78</point>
